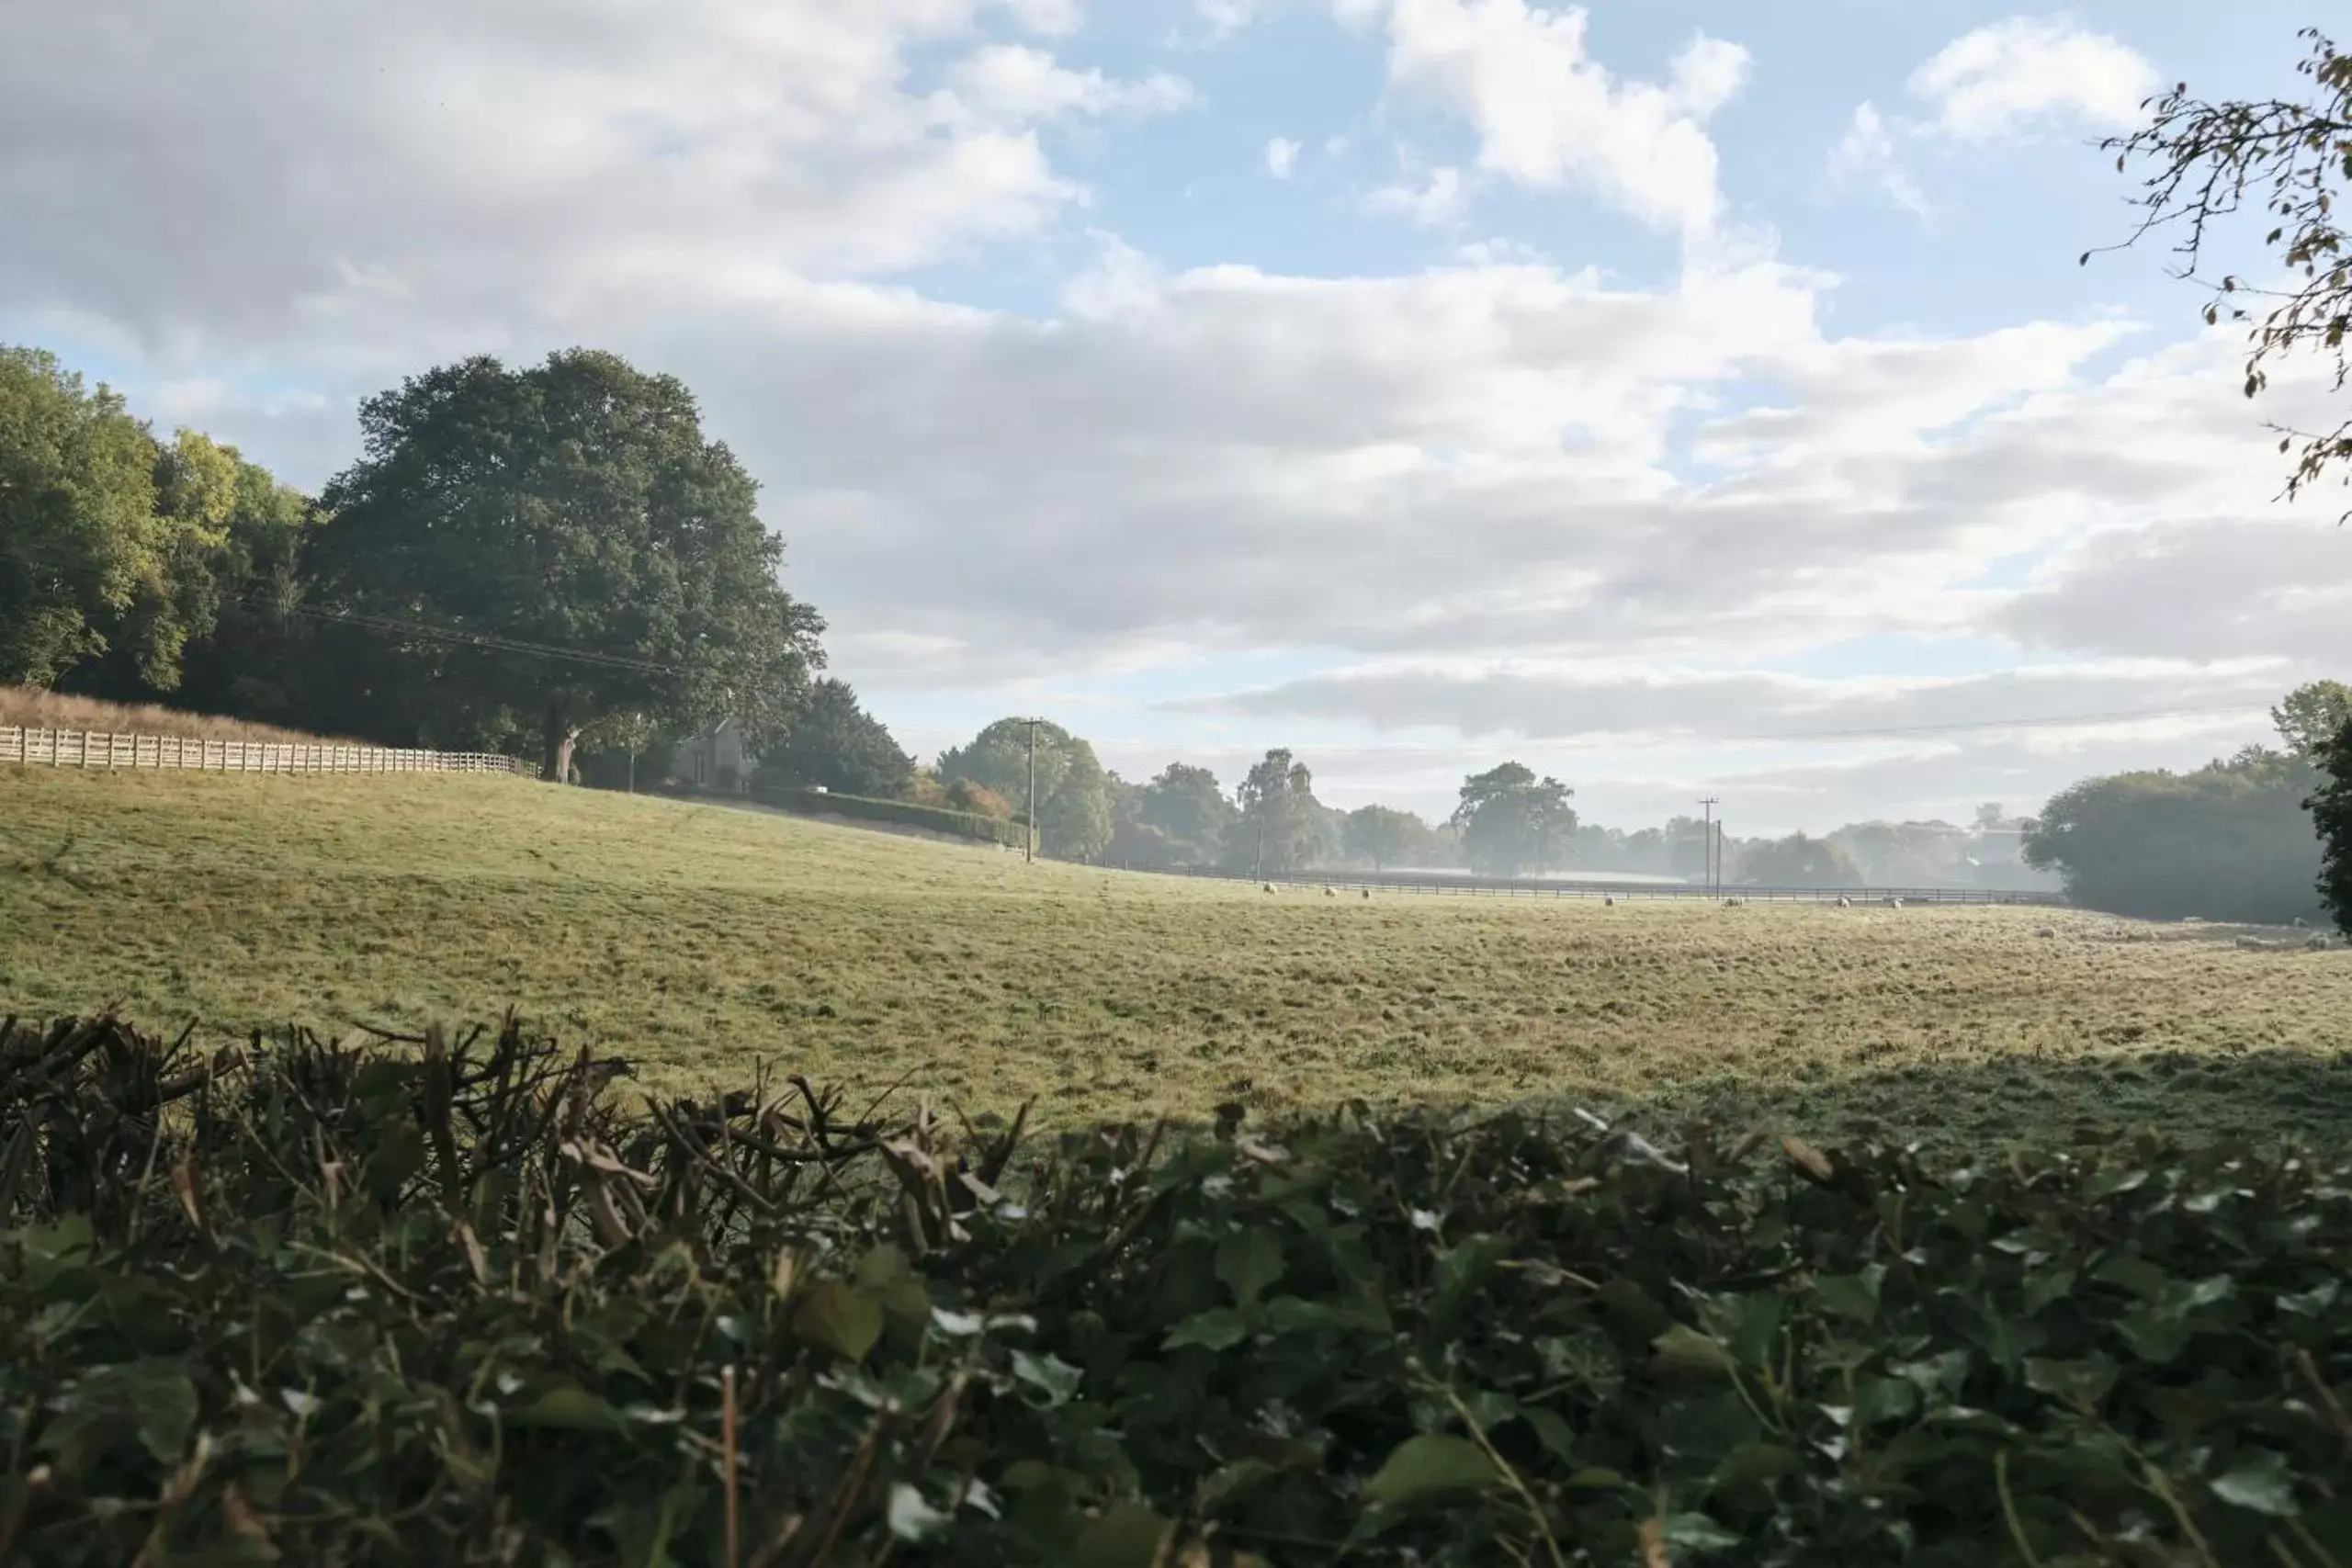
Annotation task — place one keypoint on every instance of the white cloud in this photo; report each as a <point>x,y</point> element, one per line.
<point>1009,83</point>
<point>1281,157</point>
<point>1433,203</point>
<point>1548,115</point>
<point>1866,154</point>
<point>1053,19</point>
<point>2020,75</point>
<point>1226,16</point>
<point>731,146</point>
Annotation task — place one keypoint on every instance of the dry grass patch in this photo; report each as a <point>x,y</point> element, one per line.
<point>679,929</point>
<point>21,707</point>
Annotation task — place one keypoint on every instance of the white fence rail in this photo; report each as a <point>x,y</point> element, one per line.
<point>98,749</point>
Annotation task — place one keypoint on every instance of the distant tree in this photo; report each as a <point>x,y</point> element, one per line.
<point>1074,821</point>
<point>998,759</point>
<point>1689,844</point>
<point>2312,715</point>
<point>1386,837</point>
<point>1513,822</point>
<point>1798,862</point>
<point>2230,842</point>
<point>1989,814</point>
<point>2331,807</point>
<point>97,526</point>
<point>1181,816</point>
<point>1278,829</point>
<point>2206,163</point>
<point>541,548</point>
<point>834,743</point>
<point>1074,794</point>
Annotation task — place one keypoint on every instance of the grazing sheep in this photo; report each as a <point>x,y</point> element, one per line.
<point>1845,903</point>
<point>2253,944</point>
<point>1328,893</point>
<point>2047,930</point>
<point>1367,892</point>
<point>2318,941</point>
<point>1894,902</point>
<point>1270,888</point>
<point>2301,923</point>
<point>1609,902</point>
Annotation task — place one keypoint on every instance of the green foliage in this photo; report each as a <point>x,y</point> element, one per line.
<point>2230,842</point>
<point>2331,808</point>
<point>835,743</point>
<point>100,527</point>
<point>1181,817</point>
<point>986,829</point>
<point>1386,837</point>
<point>1074,821</point>
<point>1280,827</point>
<point>1798,862</point>
<point>2312,715</point>
<point>1074,794</point>
<point>573,504</point>
<point>1513,823</point>
<point>2205,164</point>
<point>313,1304</point>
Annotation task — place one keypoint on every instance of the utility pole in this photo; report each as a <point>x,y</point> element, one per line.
<point>1719,857</point>
<point>1707,849</point>
<point>1029,839</point>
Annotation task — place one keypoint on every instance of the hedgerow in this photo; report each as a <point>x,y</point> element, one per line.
<point>902,813</point>
<point>453,1303</point>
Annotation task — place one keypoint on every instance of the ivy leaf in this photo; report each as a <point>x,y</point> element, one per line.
<point>836,1316</point>
<point>1696,1531</point>
<point>1851,1296</point>
<point>1684,1346</point>
<point>165,1401</point>
<point>2080,1384</point>
<point>1051,1375</point>
<point>2260,1482</point>
<point>566,1408</point>
<point>912,1517</point>
<point>1128,1536</point>
<point>1249,1264</point>
<point>1219,1328</point>
<point>1430,1466</point>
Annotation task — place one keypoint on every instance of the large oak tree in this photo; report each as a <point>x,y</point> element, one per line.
<point>547,548</point>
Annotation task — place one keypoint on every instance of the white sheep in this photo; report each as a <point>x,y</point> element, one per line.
<point>1845,903</point>
<point>1894,902</point>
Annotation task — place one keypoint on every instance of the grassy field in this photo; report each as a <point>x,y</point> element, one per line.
<point>693,938</point>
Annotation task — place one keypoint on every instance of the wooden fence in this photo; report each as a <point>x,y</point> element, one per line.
<point>1623,892</point>
<point>98,749</point>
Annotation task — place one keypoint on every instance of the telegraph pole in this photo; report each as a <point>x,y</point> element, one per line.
<point>1707,850</point>
<point>1029,839</point>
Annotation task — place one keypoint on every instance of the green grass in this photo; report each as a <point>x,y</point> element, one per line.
<point>690,938</point>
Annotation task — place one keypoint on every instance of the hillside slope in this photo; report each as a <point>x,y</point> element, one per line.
<point>716,934</point>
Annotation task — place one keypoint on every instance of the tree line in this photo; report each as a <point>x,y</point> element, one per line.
<point>2246,837</point>
<point>526,560</point>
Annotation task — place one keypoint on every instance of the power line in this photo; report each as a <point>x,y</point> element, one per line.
<point>394,626</point>
<point>2049,721</point>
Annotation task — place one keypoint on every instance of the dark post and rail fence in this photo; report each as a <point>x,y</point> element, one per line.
<point>1570,887</point>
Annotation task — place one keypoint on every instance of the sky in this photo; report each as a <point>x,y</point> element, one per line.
<point>1684,398</point>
